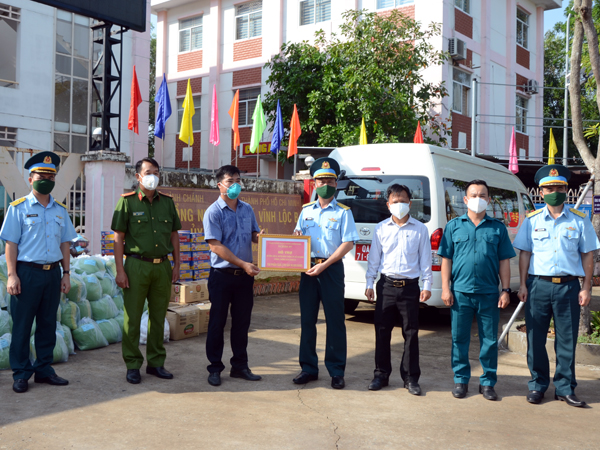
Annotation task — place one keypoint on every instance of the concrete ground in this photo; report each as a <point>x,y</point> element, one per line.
<point>99,410</point>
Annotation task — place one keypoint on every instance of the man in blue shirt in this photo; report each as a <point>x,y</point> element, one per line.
<point>230,228</point>
<point>332,232</point>
<point>556,246</point>
<point>37,230</point>
<point>476,249</point>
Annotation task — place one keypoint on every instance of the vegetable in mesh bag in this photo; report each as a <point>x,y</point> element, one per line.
<point>93,287</point>
<point>85,309</point>
<point>118,299</point>
<point>104,308</point>
<point>59,354</point>
<point>5,322</point>
<point>111,330</point>
<point>70,314</point>
<point>88,335</point>
<point>78,288</point>
<point>144,329</point>
<point>68,337</point>
<point>4,349</point>
<point>89,265</point>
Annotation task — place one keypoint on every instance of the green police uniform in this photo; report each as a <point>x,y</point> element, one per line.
<point>147,227</point>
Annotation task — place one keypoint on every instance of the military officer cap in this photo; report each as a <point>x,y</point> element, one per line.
<point>43,162</point>
<point>552,175</point>
<point>325,168</point>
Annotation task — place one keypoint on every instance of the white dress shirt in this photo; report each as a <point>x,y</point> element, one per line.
<point>400,252</point>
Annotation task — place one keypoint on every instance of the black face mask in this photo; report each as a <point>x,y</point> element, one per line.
<point>44,187</point>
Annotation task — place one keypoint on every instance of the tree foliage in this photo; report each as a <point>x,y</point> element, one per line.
<point>372,69</point>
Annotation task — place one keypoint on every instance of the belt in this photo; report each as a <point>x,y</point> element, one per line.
<point>557,280</point>
<point>231,271</point>
<point>318,260</point>
<point>40,266</point>
<point>143,258</point>
<point>400,283</point>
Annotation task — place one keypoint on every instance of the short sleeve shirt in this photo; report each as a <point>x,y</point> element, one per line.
<point>476,253</point>
<point>232,228</point>
<point>38,231</point>
<point>147,226</point>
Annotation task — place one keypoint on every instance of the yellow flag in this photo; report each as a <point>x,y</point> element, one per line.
<point>186,133</point>
<point>363,133</point>
<point>552,150</point>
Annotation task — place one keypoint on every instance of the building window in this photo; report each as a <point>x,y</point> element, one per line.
<point>383,4</point>
<point>195,117</point>
<point>521,114</point>
<point>463,5</point>
<point>247,104</point>
<point>314,11</point>
<point>8,136</point>
<point>9,20</point>
<point>461,85</point>
<point>190,34</point>
<point>522,28</point>
<point>248,20</point>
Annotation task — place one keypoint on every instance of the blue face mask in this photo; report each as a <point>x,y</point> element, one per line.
<point>233,191</point>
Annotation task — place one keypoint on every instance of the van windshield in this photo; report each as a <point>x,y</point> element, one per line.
<point>365,195</point>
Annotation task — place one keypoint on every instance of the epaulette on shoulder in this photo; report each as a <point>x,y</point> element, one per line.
<point>165,194</point>
<point>18,201</point>
<point>128,194</point>
<point>308,204</point>
<point>61,204</point>
<point>577,212</point>
<point>341,205</point>
<point>533,213</point>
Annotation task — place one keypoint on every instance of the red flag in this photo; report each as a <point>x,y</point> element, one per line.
<point>295,132</point>
<point>418,135</point>
<point>234,113</point>
<point>136,100</point>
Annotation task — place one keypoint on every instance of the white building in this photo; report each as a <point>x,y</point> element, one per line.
<point>224,43</point>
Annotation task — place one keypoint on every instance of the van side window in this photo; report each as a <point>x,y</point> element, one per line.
<point>527,203</point>
<point>454,191</point>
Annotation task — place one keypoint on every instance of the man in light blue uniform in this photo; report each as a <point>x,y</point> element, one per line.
<point>556,246</point>
<point>332,232</point>
<point>37,230</point>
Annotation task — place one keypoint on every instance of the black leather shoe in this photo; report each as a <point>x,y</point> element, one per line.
<point>54,380</point>
<point>535,397</point>
<point>305,377</point>
<point>159,372</point>
<point>20,386</point>
<point>460,390</point>
<point>413,387</point>
<point>378,383</point>
<point>338,382</point>
<point>214,379</point>
<point>133,376</point>
<point>571,400</point>
<point>488,392</point>
<point>246,374</point>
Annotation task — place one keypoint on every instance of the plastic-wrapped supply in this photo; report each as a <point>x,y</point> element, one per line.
<point>144,329</point>
<point>70,314</point>
<point>2,246</point>
<point>110,265</point>
<point>85,309</point>
<point>60,353</point>
<point>108,284</point>
<point>93,287</point>
<point>4,349</point>
<point>89,265</point>
<point>88,335</point>
<point>33,327</point>
<point>111,330</point>
<point>78,288</point>
<point>3,302</point>
<point>67,336</point>
<point>104,308</point>
<point>118,299</point>
<point>5,322</point>
<point>121,320</point>
<point>3,269</point>
<point>58,313</point>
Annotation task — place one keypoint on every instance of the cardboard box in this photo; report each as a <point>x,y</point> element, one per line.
<point>108,244</point>
<point>204,310</point>
<point>107,234</point>
<point>199,246</point>
<point>184,321</point>
<point>186,275</point>
<point>185,246</point>
<point>184,236</point>
<point>189,292</point>
<point>199,265</point>
<point>201,274</point>
<point>201,256</point>
<point>185,257</point>
<point>196,237</point>
<point>106,252</point>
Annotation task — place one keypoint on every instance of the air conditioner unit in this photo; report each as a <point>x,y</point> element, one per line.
<point>532,87</point>
<point>457,49</point>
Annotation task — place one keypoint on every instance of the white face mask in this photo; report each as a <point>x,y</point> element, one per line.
<point>399,210</point>
<point>150,182</point>
<point>477,204</point>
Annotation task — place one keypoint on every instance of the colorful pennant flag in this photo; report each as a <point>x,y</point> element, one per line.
<point>363,133</point>
<point>234,113</point>
<point>186,133</point>
<point>295,132</point>
<point>278,132</point>
<point>258,126</point>
<point>552,149</point>
<point>513,164</point>
<point>418,139</point>
<point>136,100</point>
<point>164,109</point>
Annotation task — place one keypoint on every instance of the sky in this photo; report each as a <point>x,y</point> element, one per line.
<point>555,15</point>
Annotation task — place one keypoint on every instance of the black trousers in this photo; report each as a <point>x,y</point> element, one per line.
<point>391,303</point>
<point>227,290</point>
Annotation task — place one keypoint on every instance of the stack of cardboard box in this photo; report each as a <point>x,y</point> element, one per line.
<point>194,256</point>
<point>107,241</point>
<point>189,309</point>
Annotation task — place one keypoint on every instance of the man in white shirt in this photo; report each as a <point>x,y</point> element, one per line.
<point>401,251</point>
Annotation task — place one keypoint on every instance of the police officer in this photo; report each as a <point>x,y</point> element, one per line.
<point>145,223</point>
<point>556,246</point>
<point>37,230</point>
<point>332,232</point>
<point>475,249</point>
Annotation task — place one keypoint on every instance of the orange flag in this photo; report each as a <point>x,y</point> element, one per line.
<point>136,100</point>
<point>295,132</point>
<point>234,113</point>
<point>418,135</point>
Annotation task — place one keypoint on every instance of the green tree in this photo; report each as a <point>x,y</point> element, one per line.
<point>152,94</point>
<point>372,69</point>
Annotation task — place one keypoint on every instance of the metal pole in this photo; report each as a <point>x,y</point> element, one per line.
<point>474,118</point>
<point>566,115</point>
<point>189,155</point>
<point>295,159</point>
<point>257,160</point>
<point>585,191</point>
<point>277,165</point>
<point>510,322</point>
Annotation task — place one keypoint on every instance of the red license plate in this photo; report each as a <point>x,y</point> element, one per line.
<point>362,252</point>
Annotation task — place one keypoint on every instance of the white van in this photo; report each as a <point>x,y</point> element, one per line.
<point>436,178</point>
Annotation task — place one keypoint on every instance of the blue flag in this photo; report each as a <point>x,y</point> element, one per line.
<point>164,109</point>
<point>277,132</point>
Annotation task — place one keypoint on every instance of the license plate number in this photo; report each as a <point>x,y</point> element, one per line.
<point>362,252</point>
